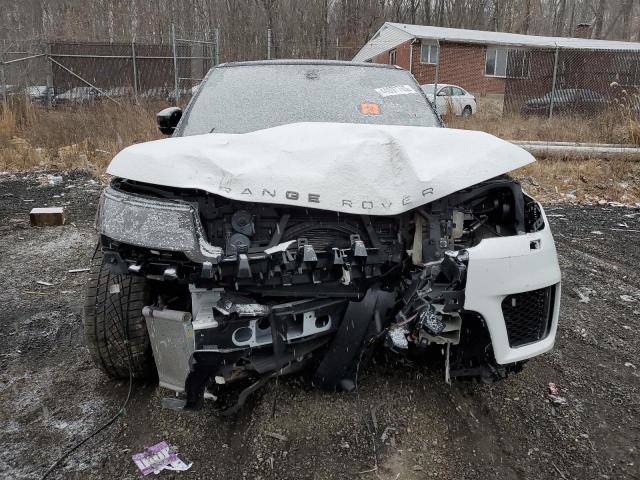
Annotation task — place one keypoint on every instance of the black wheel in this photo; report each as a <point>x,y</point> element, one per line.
<point>467,112</point>
<point>112,313</point>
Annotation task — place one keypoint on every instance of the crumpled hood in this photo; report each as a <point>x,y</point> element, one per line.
<point>351,168</point>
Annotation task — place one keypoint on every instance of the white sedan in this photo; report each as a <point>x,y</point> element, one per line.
<point>451,99</point>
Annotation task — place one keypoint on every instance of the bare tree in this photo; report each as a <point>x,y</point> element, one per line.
<point>301,28</point>
<point>599,20</point>
<point>412,9</point>
<point>558,23</point>
<point>627,12</point>
<point>526,19</point>
<point>426,12</point>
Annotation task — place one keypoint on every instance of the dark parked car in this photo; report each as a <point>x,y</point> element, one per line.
<point>570,100</point>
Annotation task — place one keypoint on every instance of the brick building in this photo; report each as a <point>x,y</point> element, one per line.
<point>482,62</point>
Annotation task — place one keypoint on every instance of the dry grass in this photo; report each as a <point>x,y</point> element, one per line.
<point>608,127</point>
<point>590,180</point>
<point>88,137</point>
<point>32,137</point>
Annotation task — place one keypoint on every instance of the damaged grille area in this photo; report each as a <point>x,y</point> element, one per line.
<point>272,288</point>
<point>528,315</point>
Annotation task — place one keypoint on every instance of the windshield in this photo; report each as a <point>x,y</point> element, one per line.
<point>245,98</point>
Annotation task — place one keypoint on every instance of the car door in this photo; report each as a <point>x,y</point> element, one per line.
<point>444,101</point>
<point>458,100</point>
<point>565,101</point>
<point>590,101</point>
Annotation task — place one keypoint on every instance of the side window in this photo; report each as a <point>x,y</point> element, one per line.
<point>428,52</point>
<point>446,91</point>
<point>490,65</point>
<point>457,91</point>
<point>507,62</point>
<point>496,63</point>
<point>501,62</point>
<point>392,57</point>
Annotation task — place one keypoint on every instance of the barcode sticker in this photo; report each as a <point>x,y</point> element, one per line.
<point>395,90</point>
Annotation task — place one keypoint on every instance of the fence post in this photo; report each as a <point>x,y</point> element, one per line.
<point>135,69</point>
<point>3,78</point>
<point>337,48</point>
<point>217,50</point>
<point>435,83</point>
<point>175,63</point>
<point>553,83</point>
<point>411,56</point>
<point>3,81</point>
<point>213,49</point>
<point>268,44</point>
<point>50,91</point>
<point>216,46</point>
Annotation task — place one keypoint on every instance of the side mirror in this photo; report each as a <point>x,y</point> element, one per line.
<point>442,93</point>
<point>168,119</point>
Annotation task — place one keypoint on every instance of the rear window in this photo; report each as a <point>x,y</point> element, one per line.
<point>245,98</point>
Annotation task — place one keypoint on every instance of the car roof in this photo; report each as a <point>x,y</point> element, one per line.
<point>443,85</point>
<point>310,62</point>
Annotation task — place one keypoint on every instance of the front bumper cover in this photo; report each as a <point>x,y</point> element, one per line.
<point>503,266</point>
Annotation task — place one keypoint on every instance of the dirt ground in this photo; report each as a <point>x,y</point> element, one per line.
<point>405,422</point>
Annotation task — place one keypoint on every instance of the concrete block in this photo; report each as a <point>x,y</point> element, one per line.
<point>47,217</point>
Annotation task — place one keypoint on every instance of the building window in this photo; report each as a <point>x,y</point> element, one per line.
<point>429,52</point>
<point>507,62</point>
<point>392,57</point>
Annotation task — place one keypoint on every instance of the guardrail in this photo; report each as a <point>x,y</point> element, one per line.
<point>580,150</point>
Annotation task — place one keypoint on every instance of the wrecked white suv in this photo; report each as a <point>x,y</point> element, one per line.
<point>305,214</point>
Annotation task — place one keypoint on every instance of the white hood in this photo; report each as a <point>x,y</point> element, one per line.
<point>352,168</point>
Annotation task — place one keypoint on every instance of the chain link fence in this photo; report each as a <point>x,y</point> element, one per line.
<point>576,82</point>
<point>541,82</point>
<point>77,73</point>
<point>22,69</point>
<point>63,73</point>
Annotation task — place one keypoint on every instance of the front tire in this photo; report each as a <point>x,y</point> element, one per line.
<point>113,313</point>
<point>467,112</point>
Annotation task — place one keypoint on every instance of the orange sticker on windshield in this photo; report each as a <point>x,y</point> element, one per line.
<point>370,108</point>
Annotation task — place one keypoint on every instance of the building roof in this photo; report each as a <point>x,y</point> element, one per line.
<point>393,34</point>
